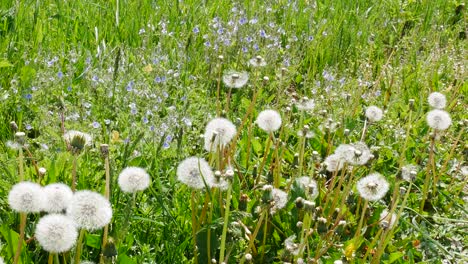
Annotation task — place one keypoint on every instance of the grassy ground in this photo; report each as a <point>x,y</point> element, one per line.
<point>144,77</point>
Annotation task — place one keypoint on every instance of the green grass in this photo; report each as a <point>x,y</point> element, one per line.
<point>72,59</point>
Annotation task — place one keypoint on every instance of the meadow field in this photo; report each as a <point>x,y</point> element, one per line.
<point>190,131</point>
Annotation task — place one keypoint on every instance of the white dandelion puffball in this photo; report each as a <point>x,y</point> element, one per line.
<point>57,197</point>
<point>387,220</point>
<point>269,120</point>
<point>258,61</point>
<point>374,114</point>
<point>309,185</point>
<point>2,261</point>
<point>333,163</point>
<point>234,79</point>
<point>355,154</point>
<point>56,233</point>
<point>306,105</point>
<point>26,197</point>
<point>77,139</point>
<point>89,210</point>
<point>280,199</point>
<point>409,172</point>
<point>133,179</point>
<point>437,100</point>
<point>195,172</point>
<point>372,187</point>
<point>438,119</point>
<point>218,133</point>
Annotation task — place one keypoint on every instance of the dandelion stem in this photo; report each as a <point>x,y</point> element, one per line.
<point>254,235</point>
<point>51,258</point>
<point>265,231</point>
<point>226,220</point>
<point>56,257</point>
<point>21,165</point>
<point>194,228</point>
<point>265,155</point>
<point>427,182</point>
<point>79,246</point>
<point>364,130</point>
<point>361,221</point>
<point>218,102</point>
<point>21,237</point>
<point>73,184</point>
<point>106,194</point>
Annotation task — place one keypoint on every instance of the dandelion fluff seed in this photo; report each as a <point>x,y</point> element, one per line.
<point>133,179</point>
<point>195,172</point>
<point>374,114</point>
<point>26,197</point>
<point>57,197</point>
<point>373,187</point>
<point>437,100</point>
<point>269,120</point>
<point>56,233</point>
<point>218,133</point>
<point>89,210</point>
<point>438,119</point>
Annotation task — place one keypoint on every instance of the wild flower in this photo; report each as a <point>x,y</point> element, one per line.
<point>355,154</point>
<point>56,233</point>
<point>372,187</point>
<point>258,61</point>
<point>409,172</point>
<point>89,210</point>
<point>306,104</point>
<point>290,246</point>
<point>269,120</point>
<point>234,79</point>
<point>218,133</point>
<point>26,197</point>
<point>437,100</point>
<point>333,163</point>
<point>438,119</point>
<point>374,114</point>
<point>309,186</point>
<point>77,140</point>
<point>387,219</point>
<point>57,197</point>
<point>133,179</point>
<point>195,172</point>
<point>280,199</point>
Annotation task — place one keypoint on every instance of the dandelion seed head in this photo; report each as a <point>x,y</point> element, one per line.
<point>218,133</point>
<point>309,185</point>
<point>26,197</point>
<point>437,100</point>
<point>372,187</point>
<point>306,105</point>
<point>409,172</point>
<point>269,120</point>
<point>280,199</point>
<point>374,114</point>
<point>195,172</point>
<point>333,163</point>
<point>438,119</point>
<point>387,219</point>
<point>89,210</point>
<point>133,179</point>
<point>57,197</point>
<point>77,140</point>
<point>234,79</point>
<point>258,61</point>
<point>56,233</point>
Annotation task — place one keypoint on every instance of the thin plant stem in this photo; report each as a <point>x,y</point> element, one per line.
<point>265,231</point>
<point>194,228</point>
<point>21,237</point>
<point>51,258</point>
<point>228,101</point>
<point>364,130</point>
<point>369,248</point>
<point>226,220</point>
<point>265,155</point>
<point>21,165</point>
<point>254,235</point>
<point>427,182</point>
<point>56,257</point>
<point>79,246</point>
<point>361,221</point>
<point>218,88</point>
<point>73,184</point>
<point>107,196</point>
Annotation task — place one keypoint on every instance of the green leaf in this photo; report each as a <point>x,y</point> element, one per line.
<point>93,241</point>
<point>394,257</point>
<point>5,63</point>
<point>126,259</point>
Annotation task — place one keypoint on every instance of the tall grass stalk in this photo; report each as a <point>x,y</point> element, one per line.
<point>225,225</point>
